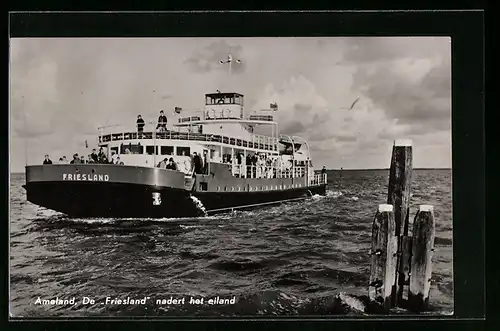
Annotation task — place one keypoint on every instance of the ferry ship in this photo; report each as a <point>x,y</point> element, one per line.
<point>137,187</point>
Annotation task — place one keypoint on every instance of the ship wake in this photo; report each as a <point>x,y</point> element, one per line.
<point>199,205</point>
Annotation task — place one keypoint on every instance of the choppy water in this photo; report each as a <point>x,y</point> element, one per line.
<point>307,258</point>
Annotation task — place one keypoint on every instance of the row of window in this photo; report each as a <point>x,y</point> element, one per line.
<point>150,150</point>
<point>262,188</point>
<point>215,100</point>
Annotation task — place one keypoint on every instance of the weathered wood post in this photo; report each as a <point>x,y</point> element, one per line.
<point>399,196</point>
<point>422,250</point>
<point>383,256</point>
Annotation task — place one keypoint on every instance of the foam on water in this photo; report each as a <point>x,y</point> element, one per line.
<point>333,194</point>
<point>352,302</point>
<point>199,204</point>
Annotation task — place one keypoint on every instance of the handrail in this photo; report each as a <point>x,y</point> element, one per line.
<point>258,142</point>
<point>318,179</point>
<point>265,171</point>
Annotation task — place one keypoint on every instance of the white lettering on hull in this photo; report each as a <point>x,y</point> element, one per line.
<point>86,177</point>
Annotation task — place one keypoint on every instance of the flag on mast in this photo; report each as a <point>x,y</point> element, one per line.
<point>86,144</point>
<point>274,106</point>
<point>177,110</point>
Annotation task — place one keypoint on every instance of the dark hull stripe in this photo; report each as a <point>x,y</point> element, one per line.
<point>95,199</point>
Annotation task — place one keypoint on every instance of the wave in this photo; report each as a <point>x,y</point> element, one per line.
<point>333,194</point>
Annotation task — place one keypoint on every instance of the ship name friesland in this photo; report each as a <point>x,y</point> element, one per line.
<point>86,177</point>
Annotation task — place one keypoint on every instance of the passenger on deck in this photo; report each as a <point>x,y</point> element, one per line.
<point>61,160</point>
<point>64,159</point>
<point>114,157</point>
<point>118,161</point>
<point>82,159</point>
<point>197,163</point>
<point>47,160</point>
<point>140,124</point>
<point>171,164</point>
<point>101,156</point>
<point>205,162</point>
<point>163,164</point>
<point>90,159</point>
<point>162,122</point>
<point>76,159</point>
<point>323,171</point>
<point>93,156</point>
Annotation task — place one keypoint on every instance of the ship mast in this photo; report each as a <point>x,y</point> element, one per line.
<point>229,61</point>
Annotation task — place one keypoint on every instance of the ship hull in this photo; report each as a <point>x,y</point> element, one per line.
<point>122,200</point>
<point>126,192</point>
<point>112,200</point>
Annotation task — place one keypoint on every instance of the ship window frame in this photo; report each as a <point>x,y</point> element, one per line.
<point>131,147</point>
<point>153,149</point>
<point>179,150</point>
<point>162,149</point>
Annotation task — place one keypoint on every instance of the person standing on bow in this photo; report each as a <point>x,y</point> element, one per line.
<point>47,160</point>
<point>162,122</point>
<point>140,125</point>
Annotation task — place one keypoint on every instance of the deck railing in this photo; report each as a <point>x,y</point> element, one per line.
<point>318,179</point>
<point>264,171</point>
<point>257,142</point>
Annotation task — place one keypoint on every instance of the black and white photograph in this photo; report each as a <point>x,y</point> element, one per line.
<point>230,177</point>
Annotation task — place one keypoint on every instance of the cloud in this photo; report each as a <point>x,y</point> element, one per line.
<point>207,59</point>
<point>304,112</point>
<point>409,80</point>
<point>71,86</point>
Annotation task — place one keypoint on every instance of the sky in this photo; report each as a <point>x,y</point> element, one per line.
<point>62,89</point>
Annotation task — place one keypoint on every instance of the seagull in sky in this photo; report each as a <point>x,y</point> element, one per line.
<point>229,59</point>
<point>352,106</point>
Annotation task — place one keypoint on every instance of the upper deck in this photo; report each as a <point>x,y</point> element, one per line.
<point>258,142</point>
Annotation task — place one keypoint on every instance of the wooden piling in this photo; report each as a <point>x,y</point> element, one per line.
<point>405,267</point>
<point>399,196</point>
<point>383,256</point>
<point>422,251</point>
<point>400,183</point>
